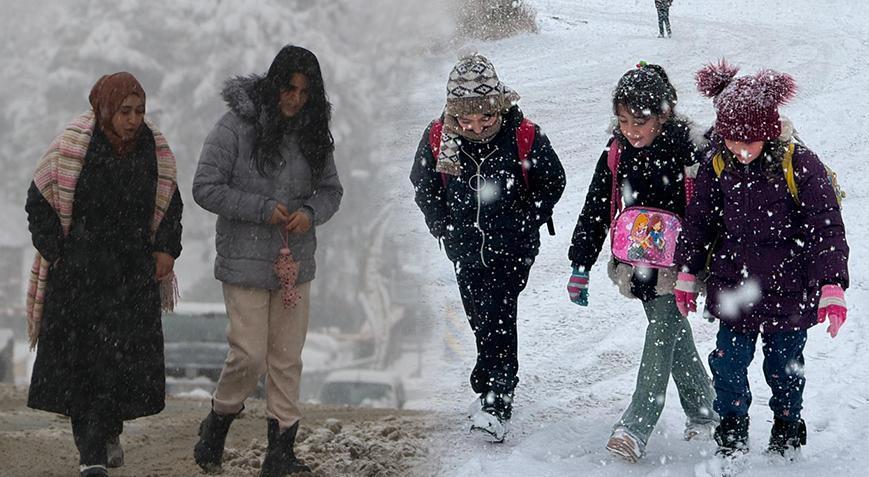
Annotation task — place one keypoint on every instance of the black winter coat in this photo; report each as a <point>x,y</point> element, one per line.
<point>650,177</point>
<point>101,342</point>
<point>509,214</point>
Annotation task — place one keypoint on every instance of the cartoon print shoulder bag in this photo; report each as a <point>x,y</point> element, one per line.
<point>645,236</point>
<point>642,236</point>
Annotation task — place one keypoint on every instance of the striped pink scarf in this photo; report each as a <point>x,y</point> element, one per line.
<point>56,176</point>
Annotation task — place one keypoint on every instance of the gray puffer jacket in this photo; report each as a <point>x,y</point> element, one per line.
<point>227,183</point>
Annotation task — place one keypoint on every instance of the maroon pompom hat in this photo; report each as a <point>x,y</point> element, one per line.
<point>746,107</point>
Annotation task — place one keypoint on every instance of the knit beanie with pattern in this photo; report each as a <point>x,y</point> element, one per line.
<point>474,88</point>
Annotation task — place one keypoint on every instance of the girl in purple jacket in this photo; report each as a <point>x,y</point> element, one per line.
<point>778,260</point>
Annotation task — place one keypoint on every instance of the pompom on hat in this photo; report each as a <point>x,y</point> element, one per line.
<point>746,107</point>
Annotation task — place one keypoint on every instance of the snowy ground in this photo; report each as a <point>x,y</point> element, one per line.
<point>332,440</point>
<point>578,365</point>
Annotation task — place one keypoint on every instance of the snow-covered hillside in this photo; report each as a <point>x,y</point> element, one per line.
<point>578,365</point>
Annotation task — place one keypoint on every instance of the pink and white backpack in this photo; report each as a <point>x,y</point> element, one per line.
<point>642,236</point>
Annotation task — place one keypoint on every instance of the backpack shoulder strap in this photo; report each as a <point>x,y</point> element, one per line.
<point>612,161</point>
<point>434,137</point>
<point>788,167</point>
<point>525,135</point>
<point>718,164</point>
<point>434,143</point>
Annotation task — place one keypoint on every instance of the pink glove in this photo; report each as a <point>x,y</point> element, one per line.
<point>686,293</point>
<point>832,305</point>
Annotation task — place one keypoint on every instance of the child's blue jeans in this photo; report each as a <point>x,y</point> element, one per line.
<point>782,366</point>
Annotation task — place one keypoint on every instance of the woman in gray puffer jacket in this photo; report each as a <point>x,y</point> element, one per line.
<point>267,171</point>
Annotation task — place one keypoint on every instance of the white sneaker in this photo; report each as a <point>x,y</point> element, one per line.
<point>625,445</point>
<point>489,426</point>
<point>701,432</point>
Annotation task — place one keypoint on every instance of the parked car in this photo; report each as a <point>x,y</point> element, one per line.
<point>194,337</point>
<point>195,347</point>
<point>363,388</point>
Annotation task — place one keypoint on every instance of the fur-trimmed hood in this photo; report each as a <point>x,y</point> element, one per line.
<point>241,96</point>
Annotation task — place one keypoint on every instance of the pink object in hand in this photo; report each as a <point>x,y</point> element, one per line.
<point>832,305</point>
<point>287,271</point>
<point>686,293</point>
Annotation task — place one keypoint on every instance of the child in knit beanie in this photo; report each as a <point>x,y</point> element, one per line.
<point>486,179</point>
<point>765,207</point>
<point>474,93</point>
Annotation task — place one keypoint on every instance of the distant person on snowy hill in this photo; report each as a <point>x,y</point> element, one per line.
<point>105,217</point>
<point>646,170</point>
<point>779,260</point>
<point>663,8</point>
<point>486,180</point>
<point>267,171</point>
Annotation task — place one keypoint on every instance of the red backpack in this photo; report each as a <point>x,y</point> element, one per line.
<point>525,134</point>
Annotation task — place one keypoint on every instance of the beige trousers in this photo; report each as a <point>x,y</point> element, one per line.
<point>264,337</point>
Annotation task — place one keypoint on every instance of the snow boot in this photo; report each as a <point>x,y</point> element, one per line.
<point>787,437</point>
<point>625,444</point>
<point>280,458</point>
<point>732,436</point>
<point>208,452</point>
<point>699,431</point>
<point>115,452</point>
<point>493,418</point>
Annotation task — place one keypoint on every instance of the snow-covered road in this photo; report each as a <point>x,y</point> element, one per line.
<point>578,365</point>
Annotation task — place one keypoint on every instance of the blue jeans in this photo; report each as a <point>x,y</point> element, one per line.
<point>782,366</point>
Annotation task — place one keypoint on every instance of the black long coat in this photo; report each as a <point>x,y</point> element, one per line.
<point>101,342</point>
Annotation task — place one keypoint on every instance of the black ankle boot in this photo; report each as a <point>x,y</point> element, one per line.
<point>89,434</point>
<point>280,458</point>
<point>115,452</point>
<point>732,436</point>
<point>208,452</point>
<point>786,436</point>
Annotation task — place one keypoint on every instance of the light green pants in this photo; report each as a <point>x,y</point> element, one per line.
<point>669,348</point>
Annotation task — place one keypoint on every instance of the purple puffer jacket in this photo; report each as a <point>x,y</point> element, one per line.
<point>771,255</point>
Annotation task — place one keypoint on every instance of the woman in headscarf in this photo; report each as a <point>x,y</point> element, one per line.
<point>105,217</point>
<point>267,171</point>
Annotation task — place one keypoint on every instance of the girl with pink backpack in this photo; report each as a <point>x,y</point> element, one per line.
<point>638,195</point>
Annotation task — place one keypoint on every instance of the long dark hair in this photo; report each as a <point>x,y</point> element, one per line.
<point>315,137</point>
